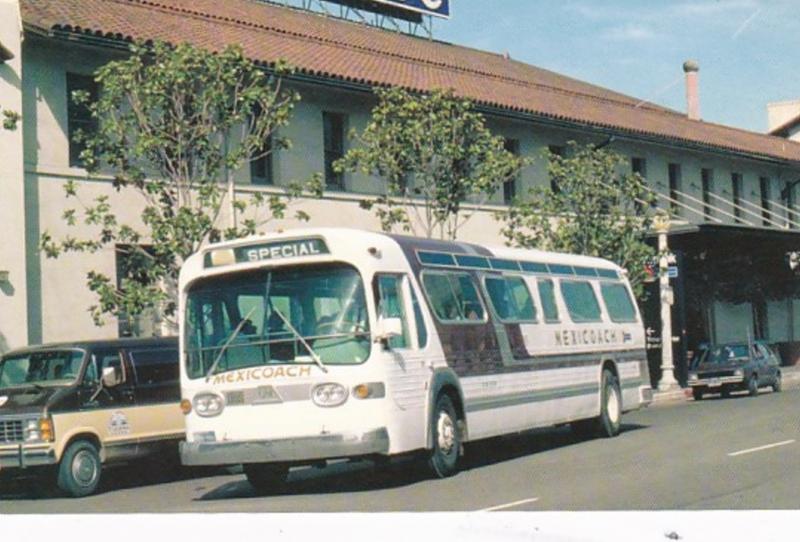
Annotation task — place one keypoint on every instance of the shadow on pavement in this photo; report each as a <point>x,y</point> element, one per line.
<point>42,485</point>
<point>366,475</point>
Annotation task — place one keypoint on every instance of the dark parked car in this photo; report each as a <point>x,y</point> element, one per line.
<point>729,367</point>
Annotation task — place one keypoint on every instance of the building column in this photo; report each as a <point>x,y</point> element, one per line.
<point>667,296</point>
<point>13,282</point>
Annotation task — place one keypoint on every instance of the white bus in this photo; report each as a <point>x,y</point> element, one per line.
<point>321,344</point>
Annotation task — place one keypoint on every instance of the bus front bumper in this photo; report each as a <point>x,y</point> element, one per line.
<point>21,456</point>
<point>297,449</point>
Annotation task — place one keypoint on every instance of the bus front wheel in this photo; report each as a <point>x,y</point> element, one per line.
<point>443,458</point>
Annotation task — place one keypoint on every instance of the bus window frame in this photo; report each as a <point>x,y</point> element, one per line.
<point>476,286</point>
<point>535,320</point>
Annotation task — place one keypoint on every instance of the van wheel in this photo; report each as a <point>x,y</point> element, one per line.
<point>266,478</point>
<point>778,385</point>
<point>443,459</point>
<point>79,470</point>
<point>752,385</point>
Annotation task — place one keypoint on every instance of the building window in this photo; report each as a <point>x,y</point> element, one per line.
<point>764,183</point>
<point>510,186</point>
<point>79,116</point>
<point>736,195</point>
<point>639,166</point>
<point>790,200</point>
<point>707,178</point>
<point>129,262</point>
<point>333,125</point>
<point>674,173</point>
<point>555,150</point>
<point>261,167</point>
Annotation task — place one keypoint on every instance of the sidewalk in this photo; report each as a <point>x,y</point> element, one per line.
<point>791,378</point>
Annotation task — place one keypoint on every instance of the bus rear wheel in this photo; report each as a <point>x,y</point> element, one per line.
<point>266,477</point>
<point>608,423</point>
<point>443,459</point>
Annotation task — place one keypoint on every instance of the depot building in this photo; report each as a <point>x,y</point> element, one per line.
<point>731,194</point>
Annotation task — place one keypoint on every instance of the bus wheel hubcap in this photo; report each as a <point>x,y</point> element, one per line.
<point>446,431</point>
<point>613,406</point>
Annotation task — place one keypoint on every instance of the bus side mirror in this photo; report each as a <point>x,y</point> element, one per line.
<point>110,377</point>
<point>388,328</point>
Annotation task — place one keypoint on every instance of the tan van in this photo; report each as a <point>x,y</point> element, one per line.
<point>68,409</point>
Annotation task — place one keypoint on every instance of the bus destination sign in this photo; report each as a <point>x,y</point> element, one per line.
<point>276,250</point>
<point>281,250</point>
<point>437,8</point>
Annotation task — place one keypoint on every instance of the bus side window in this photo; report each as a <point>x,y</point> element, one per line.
<point>548,299</point>
<point>581,301</point>
<point>388,289</point>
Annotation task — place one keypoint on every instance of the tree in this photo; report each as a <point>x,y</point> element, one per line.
<point>171,124</point>
<point>590,208</point>
<point>10,119</point>
<point>434,153</point>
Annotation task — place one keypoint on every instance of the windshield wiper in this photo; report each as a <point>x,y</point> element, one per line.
<point>314,355</point>
<point>233,335</point>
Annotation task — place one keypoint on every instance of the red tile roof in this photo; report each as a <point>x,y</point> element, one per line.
<point>331,48</point>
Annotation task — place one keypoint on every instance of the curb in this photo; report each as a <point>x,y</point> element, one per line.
<point>790,375</point>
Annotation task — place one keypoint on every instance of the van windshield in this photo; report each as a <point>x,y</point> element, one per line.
<point>52,367</point>
<point>263,317</point>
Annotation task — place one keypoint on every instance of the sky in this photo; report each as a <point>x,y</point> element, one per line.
<point>748,50</point>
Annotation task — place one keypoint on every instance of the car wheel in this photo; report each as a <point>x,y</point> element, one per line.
<point>752,385</point>
<point>726,392</point>
<point>79,470</point>
<point>266,478</point>
<point>697,393</point>
<point>443,459</point>
<point>778,385</point>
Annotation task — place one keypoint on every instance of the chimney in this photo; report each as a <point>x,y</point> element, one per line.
<point>691,69</point>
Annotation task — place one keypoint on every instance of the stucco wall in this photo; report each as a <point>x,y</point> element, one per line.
<point>58,299</point>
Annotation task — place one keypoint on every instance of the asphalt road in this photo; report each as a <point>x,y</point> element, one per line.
<point>737,453</point>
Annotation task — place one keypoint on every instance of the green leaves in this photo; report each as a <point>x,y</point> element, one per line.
<point>433,148</point>
<point>10,119</point>
<point>596,210</point>
<point>172,122</point>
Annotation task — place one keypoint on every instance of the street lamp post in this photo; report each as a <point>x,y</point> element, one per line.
<point>668,382</point>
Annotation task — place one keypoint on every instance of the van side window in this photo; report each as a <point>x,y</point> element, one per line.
<point>548,299</point>
<point>389,292</point>
<point>155,366</point>
<point>511,299</point>
<point>109,358</point>
<point>618,302</point>
<point>453,297</point>
<point>581,301</point>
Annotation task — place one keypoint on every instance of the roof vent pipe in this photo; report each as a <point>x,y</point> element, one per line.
<point>691,69</point>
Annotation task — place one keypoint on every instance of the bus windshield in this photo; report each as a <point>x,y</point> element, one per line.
<point>51,367</point>
<point>274,316</point>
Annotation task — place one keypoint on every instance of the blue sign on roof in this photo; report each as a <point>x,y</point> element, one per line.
<point>437,8</point>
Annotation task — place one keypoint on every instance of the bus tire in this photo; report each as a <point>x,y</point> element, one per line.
<point>610,419</point>
<point>443,459</point>
<point>266,478</point>
<point>79,469</point>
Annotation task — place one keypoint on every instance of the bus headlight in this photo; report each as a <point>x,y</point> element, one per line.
<point>208,404</point>
<point>329,395</point>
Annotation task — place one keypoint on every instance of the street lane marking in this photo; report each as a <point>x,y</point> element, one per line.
<point>758,449</point>
<point>508,505</point>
